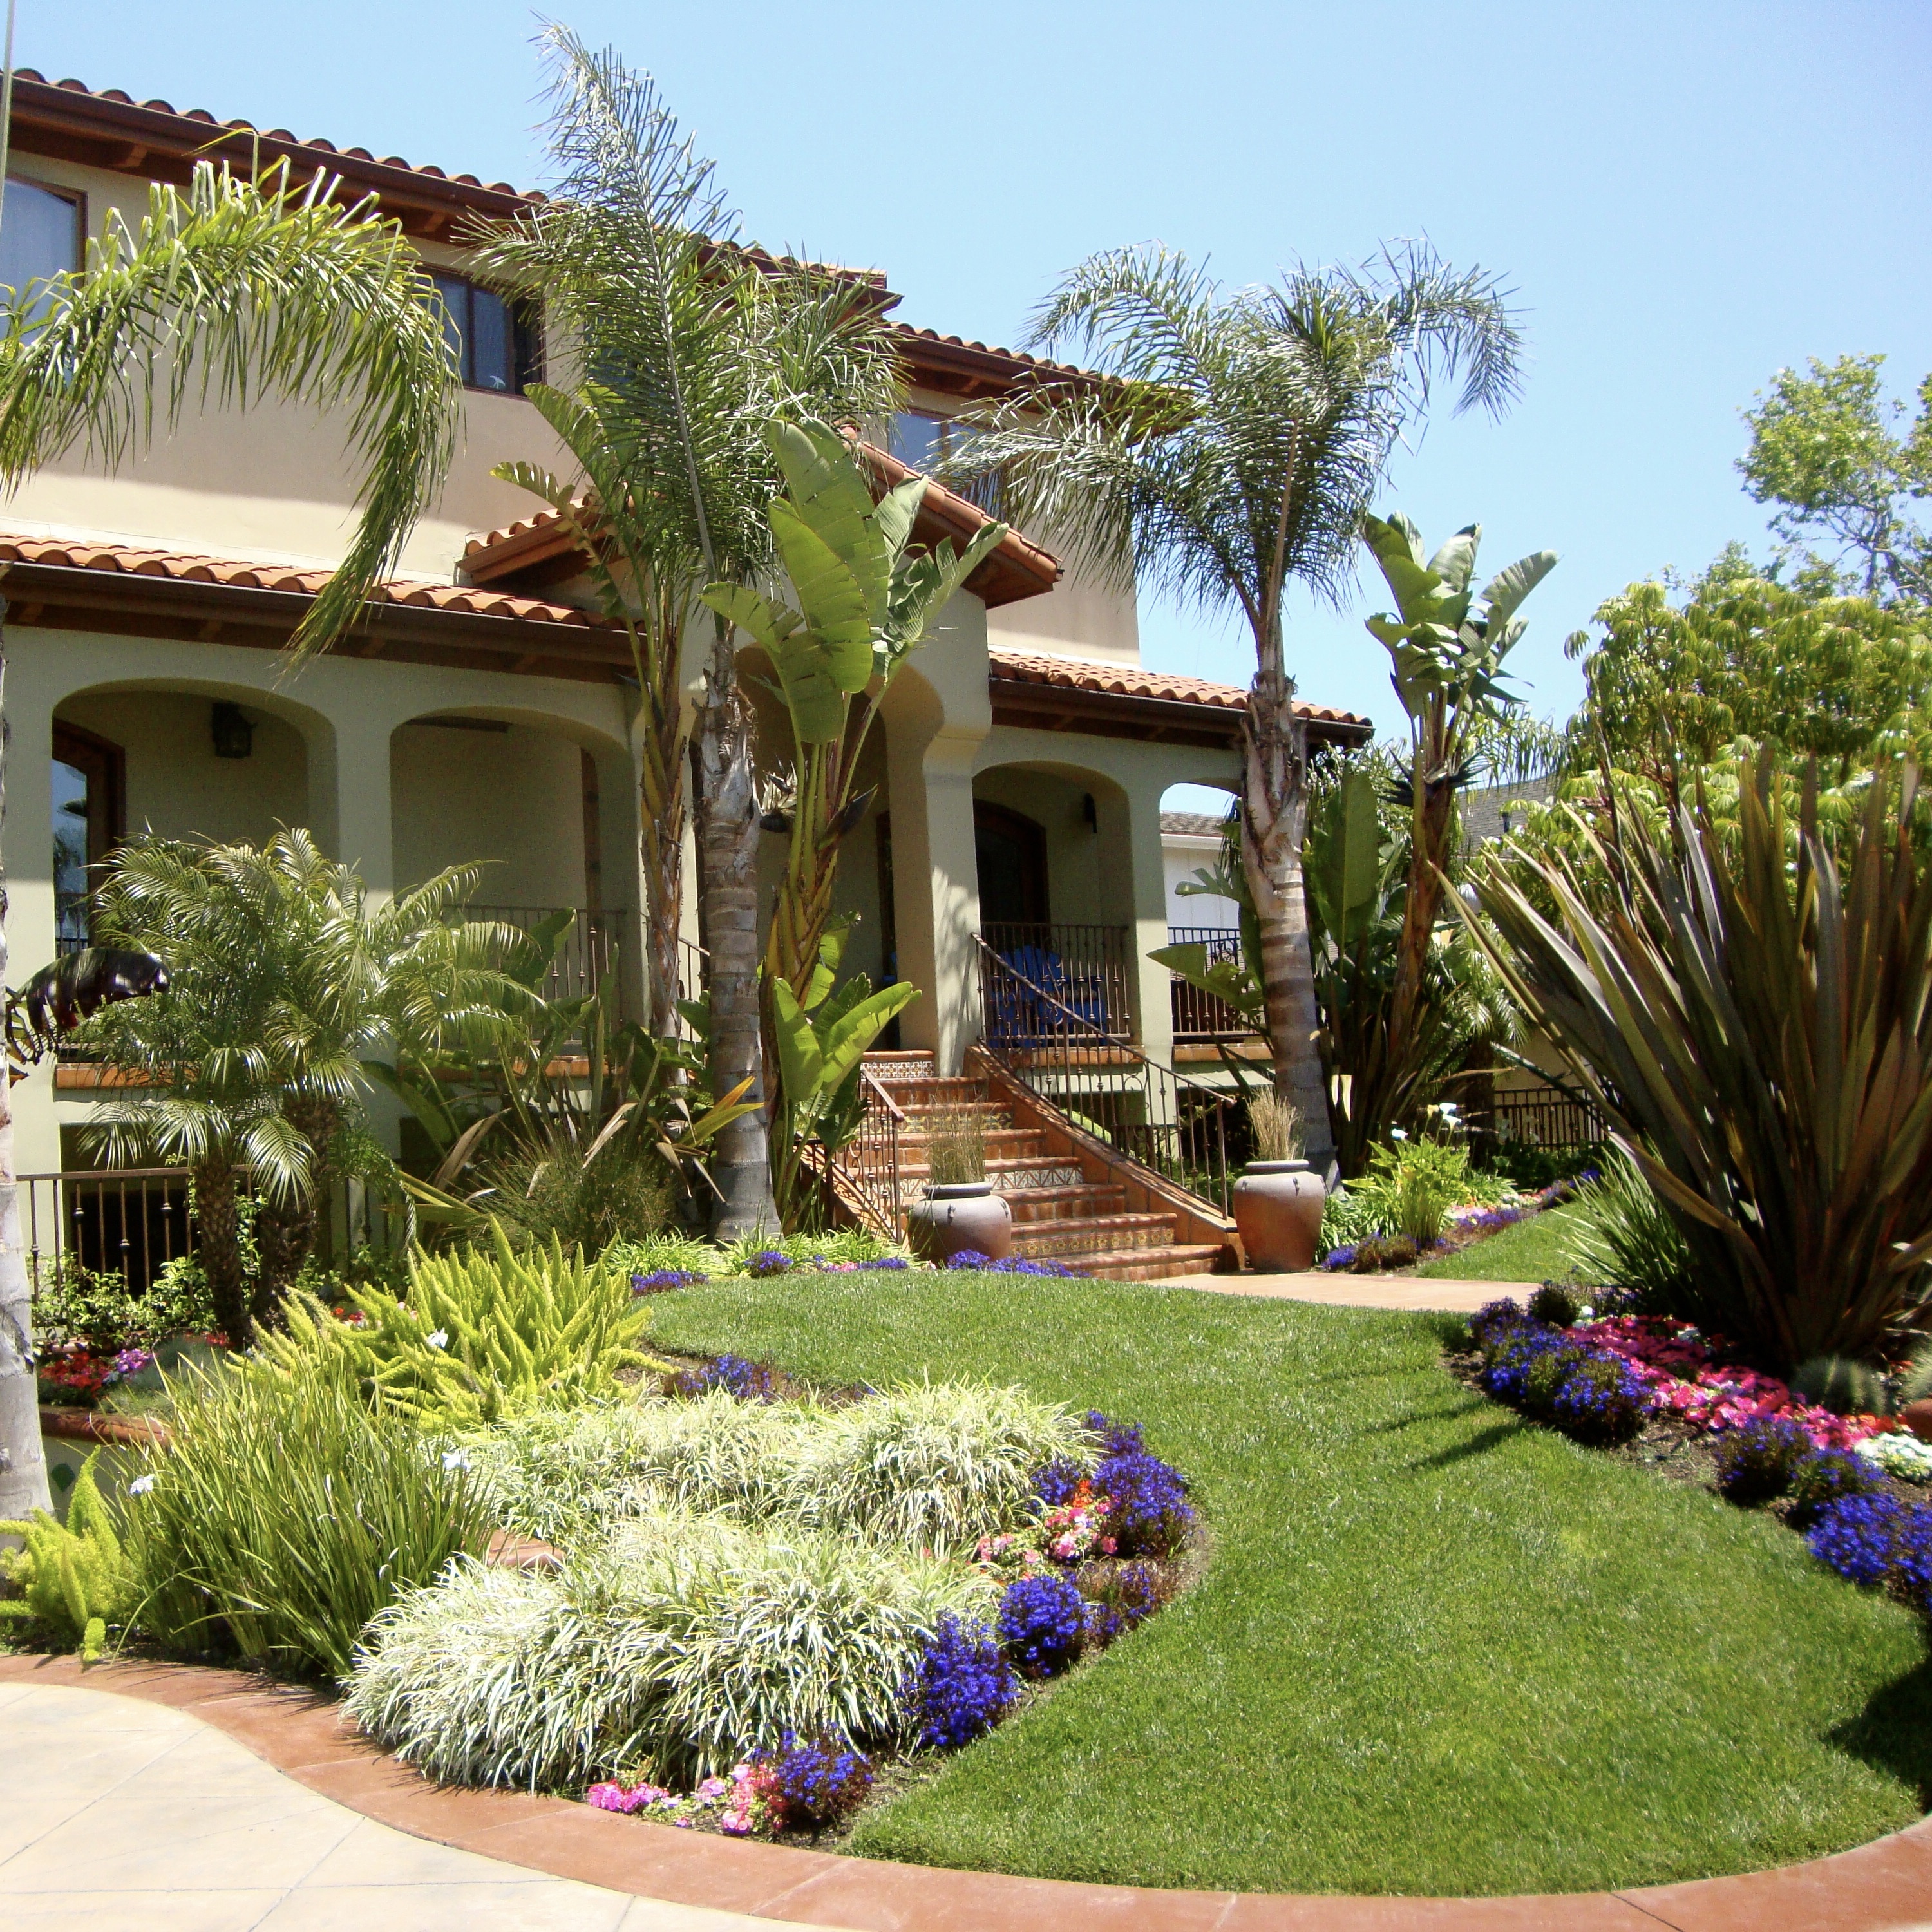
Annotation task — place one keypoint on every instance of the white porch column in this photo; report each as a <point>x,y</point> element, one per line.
<point>349,793</point>
<point>1151,981</point>
<point>936,717</point>
<point>34,682</point>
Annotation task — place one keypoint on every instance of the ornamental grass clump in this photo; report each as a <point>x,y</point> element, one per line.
<point>1620,1232</point>
<point>1756,1023</point>
<point>1756,1463</point>
<point>933,1465</point>
<point>477,1336</point>
<point>286,1512</point>
<point>956,1146</point>
<point>683,1644</point>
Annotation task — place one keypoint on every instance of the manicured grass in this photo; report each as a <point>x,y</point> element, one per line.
<point>1529,1251</point>
<point>1436,1649</point>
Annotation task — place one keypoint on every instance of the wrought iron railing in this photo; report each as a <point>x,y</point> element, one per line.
<point>133,1221</point>
<point>593,947</point>
<point>1178,1127</point>
<point>1198,1015</point>
<point>867,1165</point>
<point>1089,969</point>
<point>1544,1116</point>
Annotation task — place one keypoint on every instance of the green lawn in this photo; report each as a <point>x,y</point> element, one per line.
<point>1435,1650</point>
<point>1528,1251</point>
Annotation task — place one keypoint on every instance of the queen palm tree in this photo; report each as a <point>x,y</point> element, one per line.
<point>680,347</point>
<point>230,288</point>
<point>1234,444</point>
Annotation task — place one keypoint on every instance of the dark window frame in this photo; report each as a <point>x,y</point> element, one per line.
<point>526,337</point>
<point>61,191</point>
<point>105,765</point>
<point>1027,837</point>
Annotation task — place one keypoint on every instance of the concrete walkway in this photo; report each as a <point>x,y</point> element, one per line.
<point>1356,1290</point>
<point>121,1816</point>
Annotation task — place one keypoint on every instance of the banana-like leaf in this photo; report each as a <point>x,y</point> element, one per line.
<point>801,1059</point>
<point>897,512</point>
<point>1396,545</point>
<point>838,610</point>
<point>1508,588</point>
<point>850,1036</point>
<point>1345,868</point>
<point>829,494</point>
<point>1456,561</point>
<point>768,623</point>
<point>1226,979</point>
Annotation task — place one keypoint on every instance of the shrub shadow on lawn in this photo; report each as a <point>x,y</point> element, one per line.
<point>1893,1733</point>
<point>1480,1443</point>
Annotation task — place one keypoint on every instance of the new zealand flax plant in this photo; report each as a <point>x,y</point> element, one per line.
<point>1758,1029</point>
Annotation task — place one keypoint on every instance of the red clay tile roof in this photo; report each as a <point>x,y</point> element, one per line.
<point>185,567</point>
<point>1162,687</point>
<point>538,550</point>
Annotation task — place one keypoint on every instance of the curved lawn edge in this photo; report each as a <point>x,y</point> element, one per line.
<point>1882,1885</point>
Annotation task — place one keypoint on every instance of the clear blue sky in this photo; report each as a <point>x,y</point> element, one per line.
<point>1686,196</point>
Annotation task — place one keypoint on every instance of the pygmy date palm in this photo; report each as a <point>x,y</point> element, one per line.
<point>230,288</point>
<point>1234,444</point>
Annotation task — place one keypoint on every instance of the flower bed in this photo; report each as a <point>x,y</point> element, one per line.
<point>763,1600</point>
<point>1835,1478</point>
<point>1468,1224</point>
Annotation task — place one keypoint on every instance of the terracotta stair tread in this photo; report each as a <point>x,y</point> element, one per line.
<point>1036,1234</point>
<point>1145,1264</point>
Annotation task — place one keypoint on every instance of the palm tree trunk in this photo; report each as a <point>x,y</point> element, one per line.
<point>728,857</point>
<point>1429,857</point>
<point>218,1243</point>
<point>285,1231</point>
<point>23,1466</point>
<point>1274,810</point>
<point>662,796</point>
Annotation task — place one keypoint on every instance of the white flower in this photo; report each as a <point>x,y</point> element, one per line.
<point>456,1459</point>
<point>438,1338</point>
<point>140,1486</point>
<point>1586,1313</point>
<point>1397,1134</point>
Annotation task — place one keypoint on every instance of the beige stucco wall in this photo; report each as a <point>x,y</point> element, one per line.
<point>512,800</point>
<point>338,720</point>
<point>271,482</point>
<point>176,786</point>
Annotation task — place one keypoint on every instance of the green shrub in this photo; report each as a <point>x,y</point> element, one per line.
<point>79,1305</point>
<point>1411,1187</point>
<point>75,1577</point>
<point>658,1254</point>
<point>479,1336</point>
<point>1554,1304</point>
<point>286,1512</point>
<point>678,1647</point>
<point>1530,1168</point>
<point>1347,1219</point>
<point>1620,1235</point>
<point>840,1244</point>
<point>550,1193</point>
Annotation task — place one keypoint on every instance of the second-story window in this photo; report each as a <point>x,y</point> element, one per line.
<point>39,233</point>
<point>499,347</point>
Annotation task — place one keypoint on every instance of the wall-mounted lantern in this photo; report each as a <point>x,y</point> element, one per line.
<point>234,736</point>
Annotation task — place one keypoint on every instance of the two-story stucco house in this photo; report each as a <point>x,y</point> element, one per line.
<point>477,713</point>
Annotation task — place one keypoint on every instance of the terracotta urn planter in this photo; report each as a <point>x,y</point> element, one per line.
<point>1917,1416</point>
<point>1278,1208</point>
<point>956,1215</point>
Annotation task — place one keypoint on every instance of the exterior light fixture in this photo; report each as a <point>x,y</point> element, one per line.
<point>234,736</point>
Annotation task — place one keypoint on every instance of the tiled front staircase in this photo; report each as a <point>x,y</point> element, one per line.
<point>1081,1204</point>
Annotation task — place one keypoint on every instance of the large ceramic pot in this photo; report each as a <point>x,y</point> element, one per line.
<point>956,1215</point>
<point>1917,1416</point>
<point>1278,1208</point>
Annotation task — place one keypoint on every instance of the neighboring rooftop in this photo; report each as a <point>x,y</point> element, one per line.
<point>1191,824</point>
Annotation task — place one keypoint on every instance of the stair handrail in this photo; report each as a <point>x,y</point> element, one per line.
<point>993,963</point>
<point>874,1195</point>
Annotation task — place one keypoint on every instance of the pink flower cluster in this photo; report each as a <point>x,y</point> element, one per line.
<point>629,1799</point>
<point>1678,1365</point>
<point>1067,1532</point>
<point>754,1807</point>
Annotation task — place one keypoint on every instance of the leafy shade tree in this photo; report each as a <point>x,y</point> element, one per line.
<point>866,602</point>
<point>1826,451</point>
<point>1671,687</point>
<point>1447,643</point>
<point>678,349</point>
<point>224,291</point>
<point>1234,442</point>
<point>248,1068</point>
